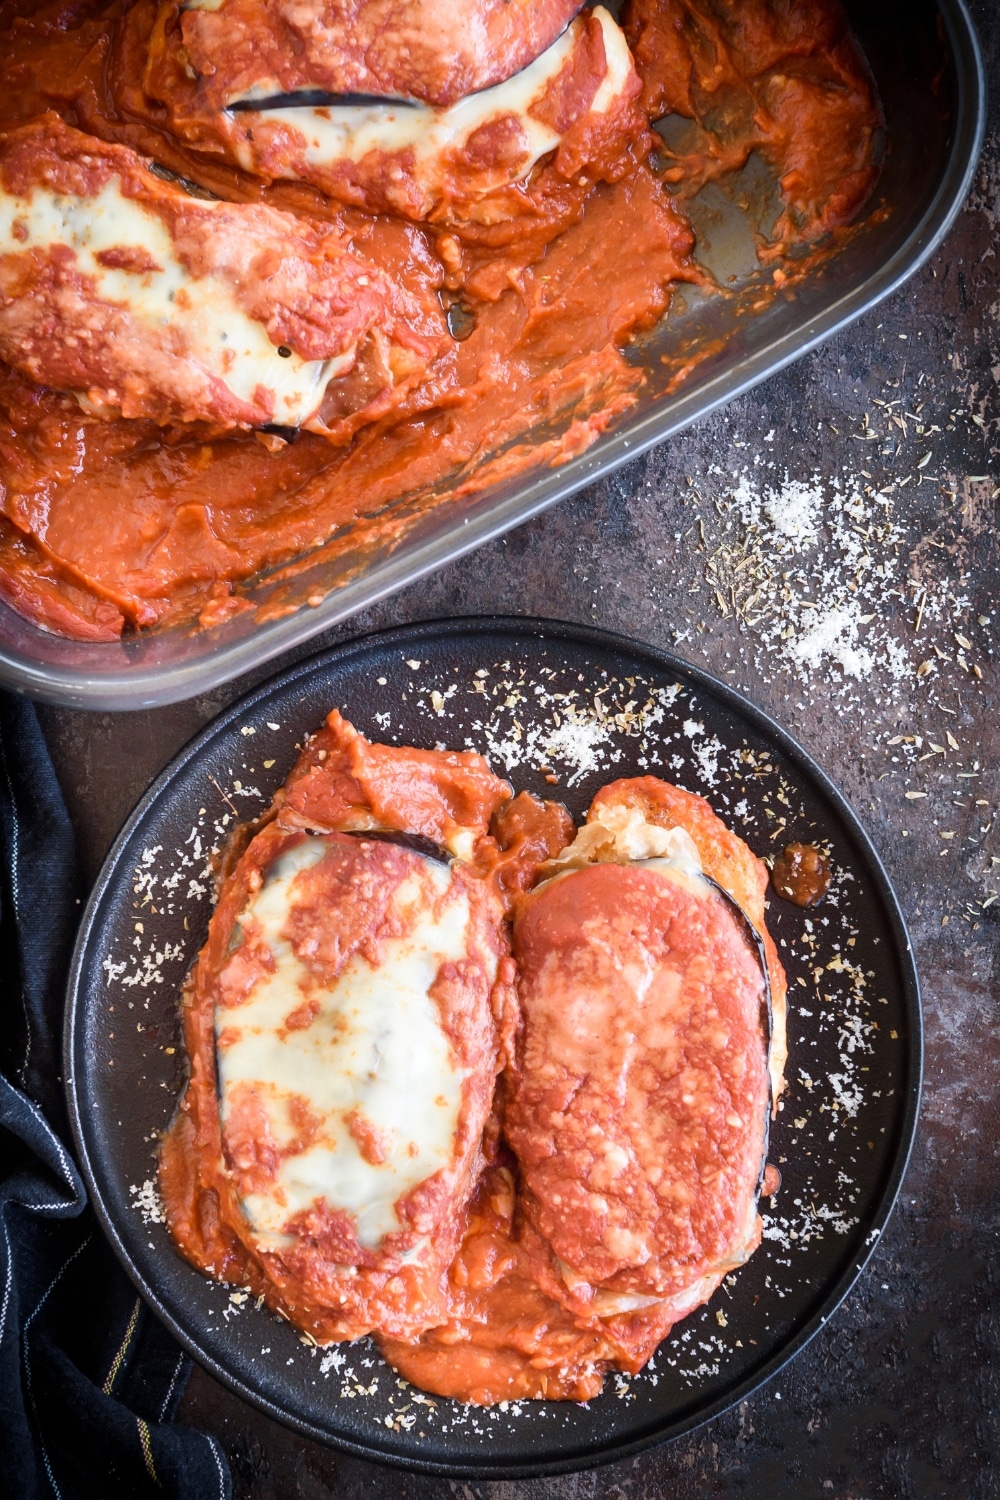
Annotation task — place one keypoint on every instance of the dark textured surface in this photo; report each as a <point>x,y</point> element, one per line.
<point>899,1396</point>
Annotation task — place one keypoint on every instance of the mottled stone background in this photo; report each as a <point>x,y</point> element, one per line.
<point>898,1396</point>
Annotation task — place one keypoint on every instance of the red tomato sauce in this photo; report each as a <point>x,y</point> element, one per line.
<point>113,526</point>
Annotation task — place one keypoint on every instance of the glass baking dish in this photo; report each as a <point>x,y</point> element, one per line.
<point>927,65</point>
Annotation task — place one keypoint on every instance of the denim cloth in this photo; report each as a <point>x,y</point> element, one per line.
<point>89,1380</point>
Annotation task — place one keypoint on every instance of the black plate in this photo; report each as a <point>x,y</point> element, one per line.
<point>542,699</point>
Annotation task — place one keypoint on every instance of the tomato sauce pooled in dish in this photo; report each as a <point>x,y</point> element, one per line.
<point>536,213</point>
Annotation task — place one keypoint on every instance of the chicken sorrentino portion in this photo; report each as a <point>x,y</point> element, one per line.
<point>635,1108</point>
<point>147,302</point>
<point>434,51</point>
<point>345,1024</point>
<point>574,102</point>
<point>640,1093</point>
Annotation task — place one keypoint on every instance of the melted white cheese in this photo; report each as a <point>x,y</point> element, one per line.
<point>461,842</point>
<point>350,132</point>
<point>619,61</point>
<point>376,1046</point>
<point>682,872</point>
<point>618,834</point>
<point>639,839</point>
<point>217,332</point>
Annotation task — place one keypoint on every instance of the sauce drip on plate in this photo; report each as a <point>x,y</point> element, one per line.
<point>802,874</point>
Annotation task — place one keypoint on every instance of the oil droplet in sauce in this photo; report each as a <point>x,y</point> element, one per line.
<point>461,321</point>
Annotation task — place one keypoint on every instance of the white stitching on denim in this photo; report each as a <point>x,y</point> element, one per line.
<point>27,1362</point>
<point>218,1464</point>
<point>16,893</point>
<point>64,1160</point>
<point>10,1260</point>
<point>10,1278</point>
<point>170,1388</point>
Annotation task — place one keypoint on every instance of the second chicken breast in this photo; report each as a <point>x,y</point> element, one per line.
<point>639,1100</point>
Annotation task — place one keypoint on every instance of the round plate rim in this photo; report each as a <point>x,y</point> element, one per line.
<point>550,631</point>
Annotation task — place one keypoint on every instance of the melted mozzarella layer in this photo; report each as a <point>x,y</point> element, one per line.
<point>376,1047</point>
<point>229,344</point>
<point>680,869</point>
<point>618,834</point>
<point>619,60</point>
<point>350,132</point>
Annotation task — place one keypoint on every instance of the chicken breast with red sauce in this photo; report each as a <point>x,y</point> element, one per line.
<point>345,1023</point>
<point>635,1107</point>
<point>573,104</point>
<point>147,302</point>
<point>640,1092</point>
<point>437,51</point>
